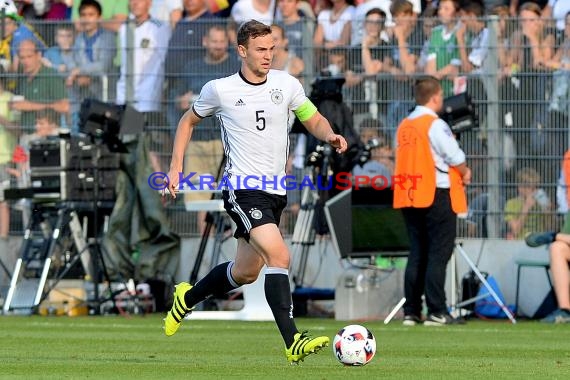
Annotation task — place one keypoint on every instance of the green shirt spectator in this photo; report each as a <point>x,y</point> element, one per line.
<point>443,47</point>
<point>46,86</point>
<point>114,13</point>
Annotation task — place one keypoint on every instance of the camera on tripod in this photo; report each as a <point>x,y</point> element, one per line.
<point>459,113</point>
<point>366,151</point>
<point>316,158</point>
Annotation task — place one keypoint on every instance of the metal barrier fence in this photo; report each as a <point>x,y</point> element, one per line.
<point>521,92</point>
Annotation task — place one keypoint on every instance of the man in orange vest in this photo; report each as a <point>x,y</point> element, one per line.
<point>428,186</point>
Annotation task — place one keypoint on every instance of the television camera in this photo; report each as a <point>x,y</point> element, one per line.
<point>459,113</point>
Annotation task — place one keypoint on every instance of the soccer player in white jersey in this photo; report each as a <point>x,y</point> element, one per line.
<point>252,107</point>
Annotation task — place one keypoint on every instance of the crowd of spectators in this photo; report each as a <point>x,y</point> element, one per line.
<point>56,53</point>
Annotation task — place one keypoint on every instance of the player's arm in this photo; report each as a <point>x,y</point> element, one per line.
<point>319,126</point>
<point>183,135</point>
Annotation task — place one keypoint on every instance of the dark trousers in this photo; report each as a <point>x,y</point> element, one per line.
<point>432,237</point>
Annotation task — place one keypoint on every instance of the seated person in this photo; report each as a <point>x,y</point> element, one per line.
<point>525,212</point>
<point>381,161</point>
<point>559,262</point>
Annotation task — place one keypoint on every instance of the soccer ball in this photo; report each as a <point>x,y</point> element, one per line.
<point>354,345</point>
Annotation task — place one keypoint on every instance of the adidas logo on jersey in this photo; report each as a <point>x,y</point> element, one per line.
<point>240,103</point>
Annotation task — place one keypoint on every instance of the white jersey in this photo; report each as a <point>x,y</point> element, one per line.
<point>254,121</point>
<point>151,44</point>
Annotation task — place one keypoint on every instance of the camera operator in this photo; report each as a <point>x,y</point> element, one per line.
<point>431,171</point>
<point>377,157</point>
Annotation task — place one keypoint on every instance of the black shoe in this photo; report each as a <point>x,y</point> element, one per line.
<point>536,239</point>
<point>412,320</point>
<point>442,320</point>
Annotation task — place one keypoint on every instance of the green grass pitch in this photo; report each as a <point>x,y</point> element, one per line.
<point>115,347</point>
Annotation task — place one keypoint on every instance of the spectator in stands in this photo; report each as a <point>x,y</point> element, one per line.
<point>60,57</point>
<point>57,10</point>
<point>429,21</point>
<point>151,44</point>
<point>16,31</point>
<point>374,48</point>
<point>7,143</point>
<point>557,10</point>
<point>41,87</point>
<point>113,14</point>
<point>333,24</point>
<point>46,125</point>
<point>504,38</point>
<point>384,5</point>
<point>245,10</point>
<point>444,61</point>
<point>94,51</point>
<point>381,160</point>
<point>31,9</point>
<point>533,44</point>
<point>298,29</point>
<point>339,67</point>
<point>358,25</point>
<point>284,58</point>
<point>401,63</point>
<point>217,61</point>
<point>205,153</point>
<point>473,56</point>
<point>168,11</point>
<point>186,42</point>
<point>524,213</point>
<point>560,99</point>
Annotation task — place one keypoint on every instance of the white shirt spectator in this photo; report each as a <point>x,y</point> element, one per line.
<point>384,6</point>
<point>161,9</point>
<point>244,10</point>
<point>559,10</point>
<point>479,49</point>
<point>332,31</point>
<point>151,44</point>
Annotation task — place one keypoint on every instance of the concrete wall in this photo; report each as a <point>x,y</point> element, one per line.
<point>498,258</point>
<point>325,269</point>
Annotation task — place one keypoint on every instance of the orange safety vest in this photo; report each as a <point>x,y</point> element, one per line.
<point>414,175</point>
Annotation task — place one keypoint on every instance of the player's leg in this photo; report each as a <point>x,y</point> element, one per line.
<point>227,276</point>
<point>267,240</point>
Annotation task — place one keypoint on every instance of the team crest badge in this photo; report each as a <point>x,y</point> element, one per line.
<point>255,213</point>
<point>276,96</point>
<point>145,42</point>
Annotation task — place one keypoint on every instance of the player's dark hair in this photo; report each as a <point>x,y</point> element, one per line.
<point>90,3</point>
<point>250,30</point>
<point>424,88</point>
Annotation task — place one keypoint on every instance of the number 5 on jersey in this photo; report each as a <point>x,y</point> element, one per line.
<point>259,120</point>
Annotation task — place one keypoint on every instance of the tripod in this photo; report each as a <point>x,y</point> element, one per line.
<point>304,233</point>
<point>492,293</point>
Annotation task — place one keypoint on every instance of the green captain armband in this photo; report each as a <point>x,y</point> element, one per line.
<point>306,111</point>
